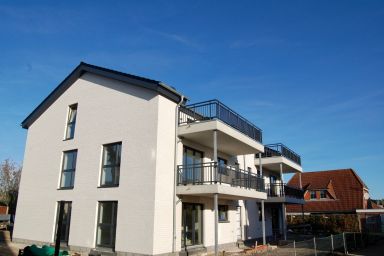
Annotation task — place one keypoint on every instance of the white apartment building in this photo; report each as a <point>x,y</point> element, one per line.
<point>138,171</point>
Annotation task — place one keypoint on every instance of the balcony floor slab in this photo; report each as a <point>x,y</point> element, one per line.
<point>225,191</point>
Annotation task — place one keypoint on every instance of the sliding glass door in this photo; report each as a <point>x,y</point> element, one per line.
<point>192,224</point>
<point>192,166</point>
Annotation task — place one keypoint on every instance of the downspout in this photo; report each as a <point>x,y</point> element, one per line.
<point>175,173</point>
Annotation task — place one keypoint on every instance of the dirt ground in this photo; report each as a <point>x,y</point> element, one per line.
<point>9,249</point>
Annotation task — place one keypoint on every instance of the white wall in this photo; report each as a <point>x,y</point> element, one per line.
<point>108,111</point>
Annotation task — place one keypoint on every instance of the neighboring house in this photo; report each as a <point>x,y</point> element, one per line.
<point>333,192</point>
<point>3,208</point>
<point>138,171</point>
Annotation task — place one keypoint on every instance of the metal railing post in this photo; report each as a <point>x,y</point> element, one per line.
<point>294,247</point>
<point>332,246</point>
<point>345,245</point>
<point>314,245</point>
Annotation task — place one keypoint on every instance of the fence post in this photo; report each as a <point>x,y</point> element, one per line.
<point>314,245</point>
<point>332,246</point>
<point>345,246</point>
<point>294,247</point>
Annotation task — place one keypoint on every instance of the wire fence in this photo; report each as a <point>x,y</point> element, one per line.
<point>318,246</point>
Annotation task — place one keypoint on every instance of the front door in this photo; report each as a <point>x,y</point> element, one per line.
<point>275,222</point>
<point>192,225</point>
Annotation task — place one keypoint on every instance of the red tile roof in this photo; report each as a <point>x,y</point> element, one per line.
<point>347,187</point>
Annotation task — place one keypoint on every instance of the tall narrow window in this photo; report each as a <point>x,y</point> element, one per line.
<point>313,195</point>
<point>68,169</point>
<point>223,213</point>
<point>222,165</point>
<point>71,122</point>
<point>110,172</point>
<point>64,234</point>
<point>106,224</point>
<point>260,211</point>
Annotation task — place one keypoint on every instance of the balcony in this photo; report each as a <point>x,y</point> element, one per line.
<point>210,178</point>
<point>236,135</point>
<point>281,193</point>
<point>278,157</point>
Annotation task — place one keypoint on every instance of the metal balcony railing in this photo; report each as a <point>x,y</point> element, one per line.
<point>281,190</point>
<point>280,149</point>
<point>214,109</point>
<point>212,173</point>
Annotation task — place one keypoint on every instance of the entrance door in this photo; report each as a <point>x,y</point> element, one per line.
<point>275,222</point>
<point>192,161</point>
<point>192,225</point>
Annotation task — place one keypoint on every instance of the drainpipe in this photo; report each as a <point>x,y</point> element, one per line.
<point>175,174</point>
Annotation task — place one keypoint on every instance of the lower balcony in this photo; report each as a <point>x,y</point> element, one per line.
<point>228,182</point>
<point>282,193</point>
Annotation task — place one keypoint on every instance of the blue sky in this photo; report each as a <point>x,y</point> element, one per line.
<point>309,73</point>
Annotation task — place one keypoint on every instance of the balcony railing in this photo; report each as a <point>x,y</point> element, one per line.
<point>214,109</point>
<point>280,149</point>
<point>212,173</point>
<point>282,190</point>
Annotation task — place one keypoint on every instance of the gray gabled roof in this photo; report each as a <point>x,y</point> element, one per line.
<point>82,68</point>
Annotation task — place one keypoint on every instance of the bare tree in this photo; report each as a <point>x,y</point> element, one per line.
<point>10,174</point>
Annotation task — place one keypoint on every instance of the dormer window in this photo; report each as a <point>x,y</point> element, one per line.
<point>71,122</point>
<point>323,194</point>
<point>313,195</point>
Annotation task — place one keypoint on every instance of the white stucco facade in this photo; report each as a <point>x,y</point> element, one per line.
<point>144,121</point>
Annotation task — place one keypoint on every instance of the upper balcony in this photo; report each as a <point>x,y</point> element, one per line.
<point>236,135</point>
<point>278,157</point>
<point>210,178</point>
<point>282,193</point>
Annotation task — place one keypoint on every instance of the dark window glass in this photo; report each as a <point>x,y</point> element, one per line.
<point>106,224</point>
<point>68,169</point>
<point>64,234</point>
<point>192,161</point>
<point>110,173</point>
<point>71,122</point>
<point>313,194</point>
<point>323,194</point>
<point>223,212</point>
<point>260,212</point>
<point>222,165</point>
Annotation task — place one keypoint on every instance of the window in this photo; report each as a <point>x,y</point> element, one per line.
<point>110,172</point>
<point>222,166</point>
<point>71,122</point>
<point>223,213</point>
<point>193,166</point>
<point>106,224</point>
<point>260,211</point>
<point>313,195</point>
<point>68,169</point>
<point>64,231</point>
<point>323,194</point>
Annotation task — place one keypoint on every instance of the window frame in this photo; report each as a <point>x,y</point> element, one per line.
<point>222,169</point>
<point>68,221</point>
<point>72,170</point>
<point>223,208</point>
<point>70,123</point>
<point>323,192</point>
<point>112,225</point>
<point>312,192</point>
<point>260,212</point>
<point>116,181</point>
